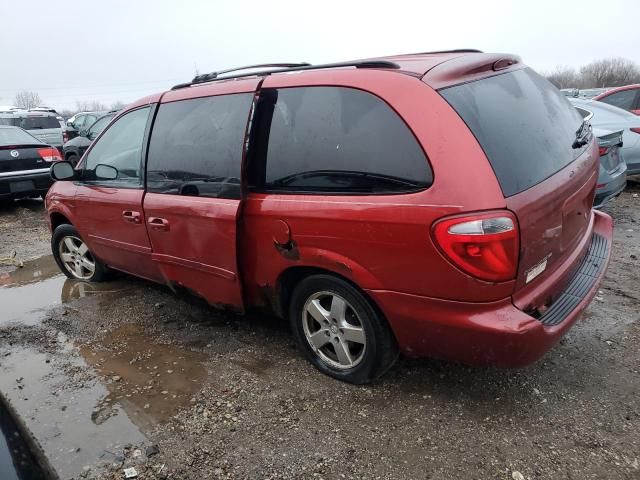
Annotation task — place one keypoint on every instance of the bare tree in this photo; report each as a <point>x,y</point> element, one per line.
<point>564,77</point>
<point>610,72</point>
<point>27,99</point>
<point>117,105</point>
<point>89,106</point>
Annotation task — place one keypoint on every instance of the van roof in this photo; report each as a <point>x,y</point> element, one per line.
<point>438,69</point>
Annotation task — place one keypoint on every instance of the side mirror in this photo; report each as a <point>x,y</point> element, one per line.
<point>91,135</point>
<point>62,171</point>
<point>106,172</point>
<point>82,133</point>
<point>69,123</point>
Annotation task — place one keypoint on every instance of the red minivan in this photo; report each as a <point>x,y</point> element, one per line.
<point>435,204</point>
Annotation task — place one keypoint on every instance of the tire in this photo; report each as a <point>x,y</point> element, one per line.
<point>73,159</point>
<point>352,340</point>
<point>73,256</point>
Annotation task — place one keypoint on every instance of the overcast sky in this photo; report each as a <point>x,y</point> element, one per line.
<point>111,50</point>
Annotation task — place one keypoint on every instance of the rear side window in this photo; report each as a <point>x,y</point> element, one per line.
<point>341,140</point>
<point>196,146</point>
<point>37,123</point>
<point>525,125</point>
<point>624,99</point>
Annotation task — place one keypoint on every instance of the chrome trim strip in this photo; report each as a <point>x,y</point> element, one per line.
<point>24,172</point>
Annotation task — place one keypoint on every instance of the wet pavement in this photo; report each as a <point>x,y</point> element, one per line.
<point>126,374</point>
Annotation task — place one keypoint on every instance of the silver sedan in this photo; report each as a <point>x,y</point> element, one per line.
<point>608,117</point>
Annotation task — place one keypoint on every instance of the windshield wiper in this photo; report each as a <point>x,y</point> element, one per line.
<point>583,134</point>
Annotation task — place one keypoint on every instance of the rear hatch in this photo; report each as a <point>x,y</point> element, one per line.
<point>19,151</point>
<point>20,158</point>
<point>45,128</point>
<point>528,131</point>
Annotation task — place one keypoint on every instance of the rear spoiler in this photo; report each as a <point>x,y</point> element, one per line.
<point>467,68</point>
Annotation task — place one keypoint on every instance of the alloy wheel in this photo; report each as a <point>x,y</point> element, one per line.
<point>334,330</point>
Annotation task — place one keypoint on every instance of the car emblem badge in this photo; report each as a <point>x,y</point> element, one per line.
<point>14,153</point>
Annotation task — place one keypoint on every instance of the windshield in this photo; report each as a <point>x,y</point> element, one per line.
<point>16,136</point>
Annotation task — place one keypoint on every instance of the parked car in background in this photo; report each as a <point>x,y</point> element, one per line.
<point>42,125</point>
<point>612,178</point>
<point>9,108</point>
<point>438,204</point>
<point>24,164</point>
<point>75,148</point>
<point>80,121</point>
<point>627,98</point>
<point>48,109</point>
<point>592,92</point>
<point>608,117</point>
<point>570,92</point>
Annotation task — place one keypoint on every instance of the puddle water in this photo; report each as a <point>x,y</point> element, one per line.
<point>56,404</point>
<point>27,292</point>
<point>84,403</point>
<point>17,461</point>
<point>151,381</point>
<point>81,418</point>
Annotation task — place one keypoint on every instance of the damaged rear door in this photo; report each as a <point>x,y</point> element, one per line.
<point>194,187</point>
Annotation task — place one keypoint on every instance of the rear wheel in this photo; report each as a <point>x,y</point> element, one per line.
<point>339,331</point>
<point>73,256</point>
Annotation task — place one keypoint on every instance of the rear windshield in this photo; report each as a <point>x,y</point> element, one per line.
<point>15,136</point>
<point>525,125</point>
<point>31,123</point>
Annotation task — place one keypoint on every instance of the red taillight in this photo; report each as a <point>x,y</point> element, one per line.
<point>635,130</point>
<point>49,154</point>
<point>603,151</point>
<point>484,245</point>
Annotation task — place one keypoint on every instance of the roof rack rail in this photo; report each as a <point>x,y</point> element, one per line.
<point>283,67</point>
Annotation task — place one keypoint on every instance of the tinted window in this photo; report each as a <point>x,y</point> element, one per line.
<point>120,147</point>
<point>623,99</point>
<point>37,123</point>
<point>331,139</point>
<point>196,146</point>
<point>524,124</point>
<point>16,136</point>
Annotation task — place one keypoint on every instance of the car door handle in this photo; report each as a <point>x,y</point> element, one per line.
<point>131,216</point>
<point>157,223</point>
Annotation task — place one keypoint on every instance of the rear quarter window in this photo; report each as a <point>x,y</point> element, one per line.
<point>338,140</point>
<point>524,124</point>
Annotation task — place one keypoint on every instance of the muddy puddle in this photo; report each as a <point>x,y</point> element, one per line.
<point>27,293</point>
<point>150,381</point>
<point>84,402</point>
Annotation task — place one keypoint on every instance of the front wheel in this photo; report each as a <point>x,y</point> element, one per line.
<point>339,331</point>
<point>73,256</point>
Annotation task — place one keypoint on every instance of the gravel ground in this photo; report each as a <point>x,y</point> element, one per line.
<point>221,396</point>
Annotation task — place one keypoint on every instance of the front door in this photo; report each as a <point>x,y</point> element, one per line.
<point>194,189</point>
<point>112,220</point>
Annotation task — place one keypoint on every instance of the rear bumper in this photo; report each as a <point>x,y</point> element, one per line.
<point>495,333</point>
<point>40,182</point>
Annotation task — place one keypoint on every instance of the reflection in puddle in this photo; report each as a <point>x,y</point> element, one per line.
<point>26,292</point>
<point>55,397</point>
<point>151,381</point>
